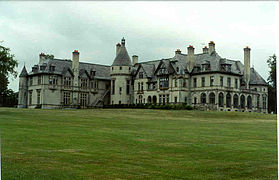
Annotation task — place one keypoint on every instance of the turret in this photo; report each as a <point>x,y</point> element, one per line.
<point>42,57</point>
<point>23,89</point>
<point>121,76</point>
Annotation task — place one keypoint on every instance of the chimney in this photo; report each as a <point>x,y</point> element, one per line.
<point>190,58</point>
<point>135,59</point>
<point>118,46</point>
<point>178,51</point>
<point>75,66</point>
<point>205,50</point>
<point>42,57</point>
<point>211,45</point>
<point>123,42</point>
<point>247,66</point>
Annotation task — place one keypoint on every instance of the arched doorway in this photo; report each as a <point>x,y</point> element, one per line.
<point>203,98</point>
<point>235,101</point>
<point>228,100</point>
<point>221,99</point>
<point>149,100</point>
<point>154,99</point>
<point>249,102</point>
<point>212,98</point>
<point>242,101</point>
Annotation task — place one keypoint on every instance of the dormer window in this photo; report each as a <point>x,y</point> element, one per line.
<point>92,73</point>
<point>52,68</point>
<point>140,75</point>
<point>226,67</point>
<point>205,67</point>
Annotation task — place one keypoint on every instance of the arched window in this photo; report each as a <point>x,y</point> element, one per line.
<point>149,99</point>
<point>249,102</point>
<point>228,100</point>
<point>154,99</point>
<point>203,98</point>
<point>242,101</point>
<point>221,99</point>
<point>235,101</point>
<point>212,98</point>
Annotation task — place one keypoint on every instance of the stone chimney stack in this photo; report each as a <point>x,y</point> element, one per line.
<point>42,57</point>
<point>178,51</point>
<point>190,58</point>
<point>211,45</point>
<point>205,50</point>
<point>247,66</point>
<point>123,42</point>
<point>75,69</point>
<point>135,59</point>
<point>118,46</point>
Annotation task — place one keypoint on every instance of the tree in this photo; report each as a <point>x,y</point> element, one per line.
<point>7,67</point>
<point>272,93</point>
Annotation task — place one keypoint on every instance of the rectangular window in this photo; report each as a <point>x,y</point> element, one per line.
<point>96,84</point>
<point>128,87</point>
<point>113,87</point>
<point>160,99</point>
<point>164,82</point>
<point>120,90</point>
<point>195,82</point>
<point>264,102</point>
<point>83,99</point>
<point>30,97</point>
<point>38,96</point>
<point>140,75</point>
<point>203,81</point>
<point>175,83</point>
<point>53,79</point>
<point>142,86</point>
<point>185,100</point>
<point>67,82</point>
<point>236,83</point>
<point>229,82</point>
<point>211,80</point>
<point>184,83</point>
<point>221,80</point>
<point>83,83</point>
<point>31,81</point>
<point>39,80</point>
<point>175,99</point>
<point>168,98</point>
<point>66,98</point>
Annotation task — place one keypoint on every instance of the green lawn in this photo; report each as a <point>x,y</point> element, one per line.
<point>137,144</point>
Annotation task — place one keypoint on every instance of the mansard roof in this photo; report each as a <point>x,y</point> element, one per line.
<point>122,58</point>
<point>62,66</point>
<point>23,72</point>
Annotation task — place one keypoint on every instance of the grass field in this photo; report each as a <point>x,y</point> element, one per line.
<point>137,144</point>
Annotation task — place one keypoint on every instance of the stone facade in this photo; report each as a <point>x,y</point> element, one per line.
<point>205,81</point>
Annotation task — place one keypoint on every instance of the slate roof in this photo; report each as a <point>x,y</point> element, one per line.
<point>62,66</point>
<point>122,58</point>
<point>23,72</point>
<point>214,60</point>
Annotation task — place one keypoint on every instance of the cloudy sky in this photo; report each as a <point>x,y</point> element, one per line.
<point>153,30</point>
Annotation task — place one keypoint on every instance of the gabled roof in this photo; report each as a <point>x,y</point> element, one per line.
<point>122,58</point>
<point>23,72</point>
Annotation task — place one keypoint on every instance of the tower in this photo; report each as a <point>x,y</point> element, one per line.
<point>23,89</point>
<point>120,72</point>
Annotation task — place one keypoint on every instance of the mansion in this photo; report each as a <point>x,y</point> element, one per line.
<point>203,80</point>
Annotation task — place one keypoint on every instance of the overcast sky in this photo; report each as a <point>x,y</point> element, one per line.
<point>153,30</point>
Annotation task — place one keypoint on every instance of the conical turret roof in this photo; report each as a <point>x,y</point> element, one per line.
<point>122,58</point>
<point>23,72</point>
